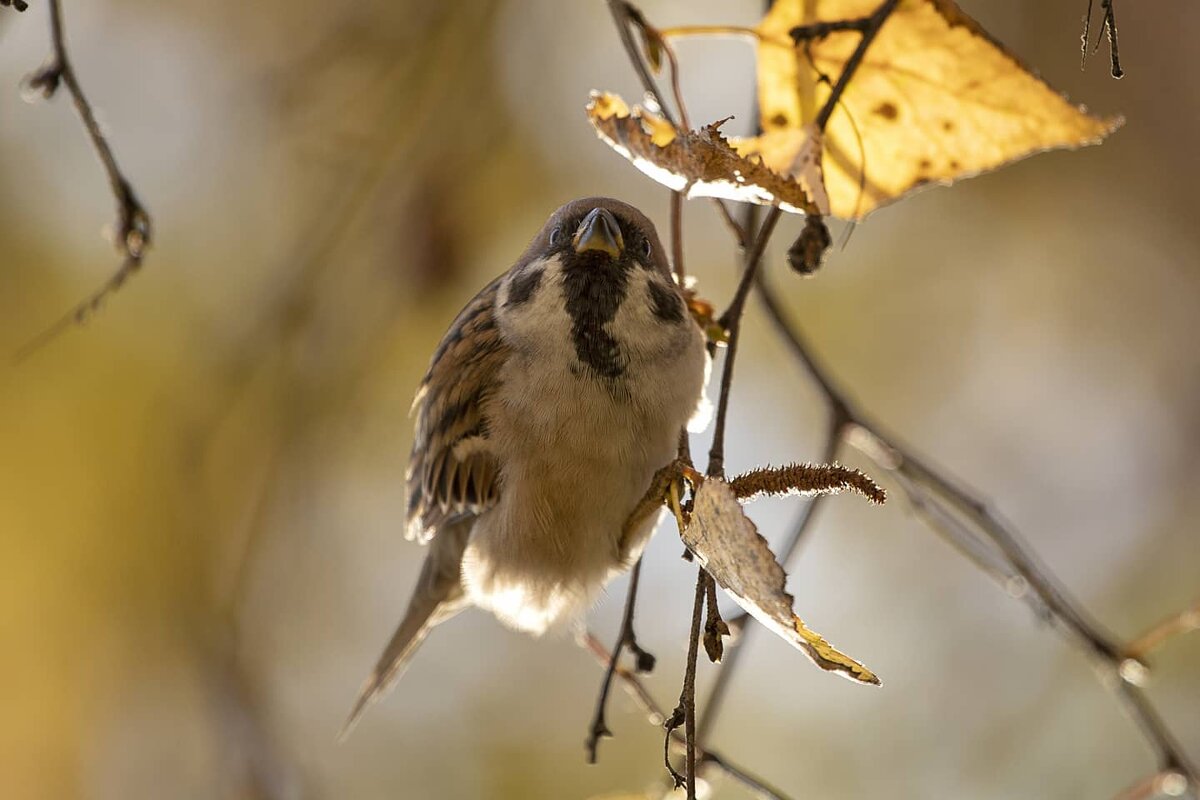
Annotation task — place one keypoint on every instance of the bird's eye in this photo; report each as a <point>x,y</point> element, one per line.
<point>647,248</point>
<point>555,235</point>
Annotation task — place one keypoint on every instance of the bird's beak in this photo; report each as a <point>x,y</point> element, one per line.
<point>599,231</point>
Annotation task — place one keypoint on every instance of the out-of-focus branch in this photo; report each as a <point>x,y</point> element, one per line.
<point>132,230</point>
<point>965,519</point>
<point>1185,621</point>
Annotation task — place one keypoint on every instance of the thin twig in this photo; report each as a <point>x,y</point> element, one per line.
<point>623,14</point>
<point>739,232</point>
<point>132,231</point>
<point>869,31</point>
<point>706,758</point>
<point>731,320</point>
<point>715,628</point>
<point>625,638</point>
<point>677,238</point>
<point>1108,26</point>
<point>688,699</point>
<point>1085,37</point>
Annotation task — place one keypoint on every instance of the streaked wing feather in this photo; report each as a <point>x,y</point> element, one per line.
<point>452,472</point>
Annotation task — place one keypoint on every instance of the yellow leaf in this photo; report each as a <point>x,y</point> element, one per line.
<point>729,546</point>
<point>934,100</point>
<point>699,163</point>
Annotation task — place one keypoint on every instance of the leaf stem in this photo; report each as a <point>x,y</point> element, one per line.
<point>737,31</point>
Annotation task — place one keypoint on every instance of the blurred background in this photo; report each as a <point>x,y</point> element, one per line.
<point>201,492</point>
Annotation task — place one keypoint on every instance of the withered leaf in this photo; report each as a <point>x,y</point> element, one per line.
<point>934,100</point>
<point>729,546</point>
<point>699,163</point>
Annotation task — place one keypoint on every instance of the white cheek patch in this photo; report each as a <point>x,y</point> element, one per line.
<point>540,326</point>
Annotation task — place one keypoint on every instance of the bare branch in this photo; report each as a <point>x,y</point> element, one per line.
<point>1109,27</point>
<point>625,639</point>
<point>731,321</point>
<point>869,27</point>
<point>707,760</point>
<point>687,698</point>
<point>132,230</point>
<point>715,628</point>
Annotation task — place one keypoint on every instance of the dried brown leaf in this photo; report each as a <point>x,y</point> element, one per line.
<point>729,546</point>
<point>935,99</point>
<point>698,163</point>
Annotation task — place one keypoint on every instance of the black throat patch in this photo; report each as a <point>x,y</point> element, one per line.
<point>594,285</point>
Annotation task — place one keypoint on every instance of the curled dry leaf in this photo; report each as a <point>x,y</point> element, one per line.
<point>698,163</point>
<point>729,546</point>
<point>934,100</point>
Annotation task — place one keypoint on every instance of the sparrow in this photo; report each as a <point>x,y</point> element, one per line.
<point>552,400</point>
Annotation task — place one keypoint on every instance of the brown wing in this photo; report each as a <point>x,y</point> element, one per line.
<point>452,471</point>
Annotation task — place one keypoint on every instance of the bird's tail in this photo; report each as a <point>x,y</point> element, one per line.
<point>438,596</point>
